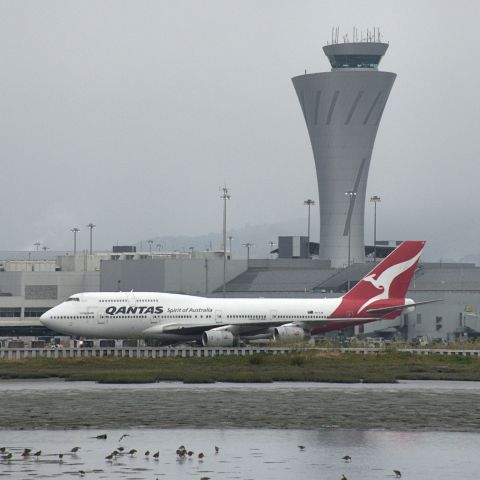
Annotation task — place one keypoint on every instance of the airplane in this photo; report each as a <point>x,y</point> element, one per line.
<point>222,322</point>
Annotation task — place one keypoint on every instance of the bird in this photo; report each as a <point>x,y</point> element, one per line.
<point>109,457</point>
<point>397,473</point>
<point>26,452</point>
<point>75,449</point>
<point>201,455</point>
<point>190,453</point>
<point>301,447</point>
<point>217,449</point>
<point>344,477</point>
<point>156,455</point>
<point>37,454</point>
<point>347,458</point>
<point>82,473</point>
<point>123,436</point>
<point>3,449</point>
<point>132,452</point>
<point>60,457</point>
<point>8,456</point>
<point>147,453</point>
<point>103,436</point>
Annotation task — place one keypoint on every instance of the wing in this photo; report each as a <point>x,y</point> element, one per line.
<point>242,329</point>
<point>189,329</point>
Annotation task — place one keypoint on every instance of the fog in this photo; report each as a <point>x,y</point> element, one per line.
<point>131,115</point>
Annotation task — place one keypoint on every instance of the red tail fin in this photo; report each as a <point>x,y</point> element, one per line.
<point>388,280</point>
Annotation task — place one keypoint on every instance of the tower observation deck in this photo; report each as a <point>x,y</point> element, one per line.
<point>342,109</point>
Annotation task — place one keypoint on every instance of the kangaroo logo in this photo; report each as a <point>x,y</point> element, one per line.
<point>385,279</point>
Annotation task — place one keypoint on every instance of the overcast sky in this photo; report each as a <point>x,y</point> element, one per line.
<point>131,114</point>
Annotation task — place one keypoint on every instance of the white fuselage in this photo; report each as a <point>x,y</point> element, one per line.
<point>137,314</point>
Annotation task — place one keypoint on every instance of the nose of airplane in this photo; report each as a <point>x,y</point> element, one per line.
<point>46,319</point>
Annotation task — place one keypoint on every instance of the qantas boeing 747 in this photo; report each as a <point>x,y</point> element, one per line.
<point>220,322</point>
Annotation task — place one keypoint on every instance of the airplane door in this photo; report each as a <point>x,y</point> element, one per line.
<point>218,316</point>
<point>131,299</point>
<point>273,315</point>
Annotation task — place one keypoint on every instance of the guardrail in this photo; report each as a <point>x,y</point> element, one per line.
<point>163,352</point>
<point>133,352</point>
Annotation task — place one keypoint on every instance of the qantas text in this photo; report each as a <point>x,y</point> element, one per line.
<point>133,310</point>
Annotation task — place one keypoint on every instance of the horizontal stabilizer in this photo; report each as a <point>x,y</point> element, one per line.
<point>397,308</point>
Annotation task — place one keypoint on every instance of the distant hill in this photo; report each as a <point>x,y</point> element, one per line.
<point>259,235</point>
<point>438,250</point>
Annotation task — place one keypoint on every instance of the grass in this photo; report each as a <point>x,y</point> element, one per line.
<point>384,367</point>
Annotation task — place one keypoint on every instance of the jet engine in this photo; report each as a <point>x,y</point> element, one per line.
<point>288,333</point>
<point>217,338</point>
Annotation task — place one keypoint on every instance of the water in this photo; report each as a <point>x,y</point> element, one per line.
<point>427,430</point>
<point>246,454</point>
<point>409,406</point>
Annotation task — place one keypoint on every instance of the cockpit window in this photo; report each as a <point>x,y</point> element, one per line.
<point>72,299</point>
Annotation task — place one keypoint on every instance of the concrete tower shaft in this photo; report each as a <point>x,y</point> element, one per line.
<point>342,110</point>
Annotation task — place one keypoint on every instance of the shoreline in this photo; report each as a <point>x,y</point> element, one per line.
<point>326,367</point>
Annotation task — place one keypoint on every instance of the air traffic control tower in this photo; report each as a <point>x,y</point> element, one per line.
<point>342,109</point>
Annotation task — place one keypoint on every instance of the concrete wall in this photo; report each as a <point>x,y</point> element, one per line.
<point>187,276</point>
<point>41,290</point>
<point>457,310</point>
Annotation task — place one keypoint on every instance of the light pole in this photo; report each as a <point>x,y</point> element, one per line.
<point>351,195</point>
<point>309,202</point>
<point>248,246</point>
<point>91,226</point>
<point>225,196</point>
<point>37,245</point>
<point>375,199</point>
<point>75,230</point>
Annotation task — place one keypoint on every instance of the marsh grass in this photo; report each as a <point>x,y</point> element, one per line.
<point>309,366</point>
